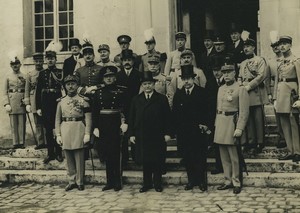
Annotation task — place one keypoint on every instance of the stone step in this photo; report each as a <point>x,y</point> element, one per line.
<point>256,179</point>
<point>172,164</point>
<point>269,109</point>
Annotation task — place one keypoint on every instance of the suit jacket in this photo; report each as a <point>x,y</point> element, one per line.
<point>188,112</point>
<point>132,83</point>
<point>204,61</point>
<point>238,52</point>
<point>69,65</point>
<point>149,121</point>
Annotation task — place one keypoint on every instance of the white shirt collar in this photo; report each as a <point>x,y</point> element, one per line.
<point>150,94</point>
<point>190,89</point>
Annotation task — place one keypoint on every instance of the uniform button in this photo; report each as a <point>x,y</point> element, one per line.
<point>111,107</point>
<point>114,97</point>
<point>112,102</point>
<point>101,102</point>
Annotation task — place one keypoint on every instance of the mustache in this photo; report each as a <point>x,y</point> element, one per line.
<point>127,64</point>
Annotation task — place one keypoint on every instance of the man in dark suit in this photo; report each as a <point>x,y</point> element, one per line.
<point>128,77</point>
<point>70,63</point>
<point>209,49</point>
<point>191,120</point>
<point>149,128</point>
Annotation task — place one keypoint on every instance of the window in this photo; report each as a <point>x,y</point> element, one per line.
<point>53,20</point>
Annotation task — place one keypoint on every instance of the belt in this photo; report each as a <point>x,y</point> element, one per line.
<point>226,113</point>
<point>109,111</point>
<point>66,119</point>
<point>16,90</point>
<point>247,79</point>
<point>51,90</point>
<point>288,79</point>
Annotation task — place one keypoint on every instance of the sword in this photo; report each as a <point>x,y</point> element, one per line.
<point>36,142</point>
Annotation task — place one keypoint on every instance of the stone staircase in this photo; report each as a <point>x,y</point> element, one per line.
<point>26,165</point>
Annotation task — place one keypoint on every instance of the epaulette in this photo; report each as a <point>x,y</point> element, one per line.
<point>84,97</point>
<point>121,87</point>
<point>59,99</point>
<point>144,54</point>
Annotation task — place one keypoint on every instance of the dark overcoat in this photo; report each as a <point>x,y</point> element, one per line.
<point>149,122</point>
<point>69,65</point>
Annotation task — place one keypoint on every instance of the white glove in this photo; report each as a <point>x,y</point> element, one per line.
<point>203,128</point>
<point>59,140</point>
<point>167,138</point>
<point>275,105</point>
<point>124,127</point>
<point>270,98</point>
<point>39,112</point>
<point>96,132</point>
<point>8,108</point>
<point>90,89</point>
<point>237,133</point>
<point>296,104</point>
<point>86,138</point>
<point>247,87</point>
<point>28,108</point>
<point>132,139</point>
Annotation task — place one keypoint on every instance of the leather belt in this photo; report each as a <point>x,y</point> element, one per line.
<point>226,113</point>
<point>288,79</point>
<point>51,90</point>
<point>16,90</point>
<point>66,119</point>
<point>109,111</point>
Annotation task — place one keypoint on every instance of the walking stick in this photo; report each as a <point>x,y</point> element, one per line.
<point>36,142</point>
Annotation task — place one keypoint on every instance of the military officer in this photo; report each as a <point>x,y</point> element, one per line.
<point>71,62</point>
<point>104,52</point>
<point>89,75</point>
<point>173,58</point>
<point>73,128</point>
<point>231,119</point>
<point>110,122</point>
<point>48,90</point>
<point>149,130</point>
<point>286,93</point>
<point>151,43</point>
<point>29,100</point>
<point>186,58</point>
<point>14,88</point>
<point>253,72</point>
<point>128,77</point>
<point>191,120</point>
<point>124,42</point>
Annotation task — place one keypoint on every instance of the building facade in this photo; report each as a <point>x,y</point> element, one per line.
<point>29,25</point>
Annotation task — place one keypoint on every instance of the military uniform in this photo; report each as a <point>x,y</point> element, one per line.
<point>108,104</point>
<point>73,122</point>
<point>48,90</point>
<point>145,58</point>
<point>30,99</point>
<point>14,88</point>
<point>287,83</point>
<point>253,72</point>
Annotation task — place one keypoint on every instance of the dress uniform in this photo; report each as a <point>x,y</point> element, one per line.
<point>30,99</point>
<point>190,113</point>
<point>14,88</point>
<point>128,77</point>
<point>73,128</point>
<point>106,61</point>
<point>125,40</point>
<point>253,72</point>
<point>71,62</point>
<point>108,118</point>
<point>231,119</point>
<point>286,89</point>
<point>48,90</point>
<point>149,129</point>
<point>173,58</point>
<point>151,42</point>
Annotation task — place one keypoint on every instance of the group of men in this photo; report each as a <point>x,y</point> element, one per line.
<point>146,100</point>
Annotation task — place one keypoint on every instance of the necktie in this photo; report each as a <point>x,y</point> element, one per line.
<point>148,97</point>
<point>127,72</point>
<point>188,92</point>
<point>218,81</point>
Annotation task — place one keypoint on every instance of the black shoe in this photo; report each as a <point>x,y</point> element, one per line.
<point>71,186</point>
<point>237,190</point>
<point>224,187</point>
<point>189,186</point>
<point>296,158</point>
<point>41,146</point>
<point>281,145</point>
<point>80,187</point>
<point>252,151</point>
<point>260,148</point>
<point>144,189</point>
<point>216,171</point>
<point>21,146</point>
<point>158,188</point>
<point>118,187</point>
<point>59,158</point>
<point>203,187</point>
<point>286,157</point>
<point>48,159</point>
<point>107,187</point>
